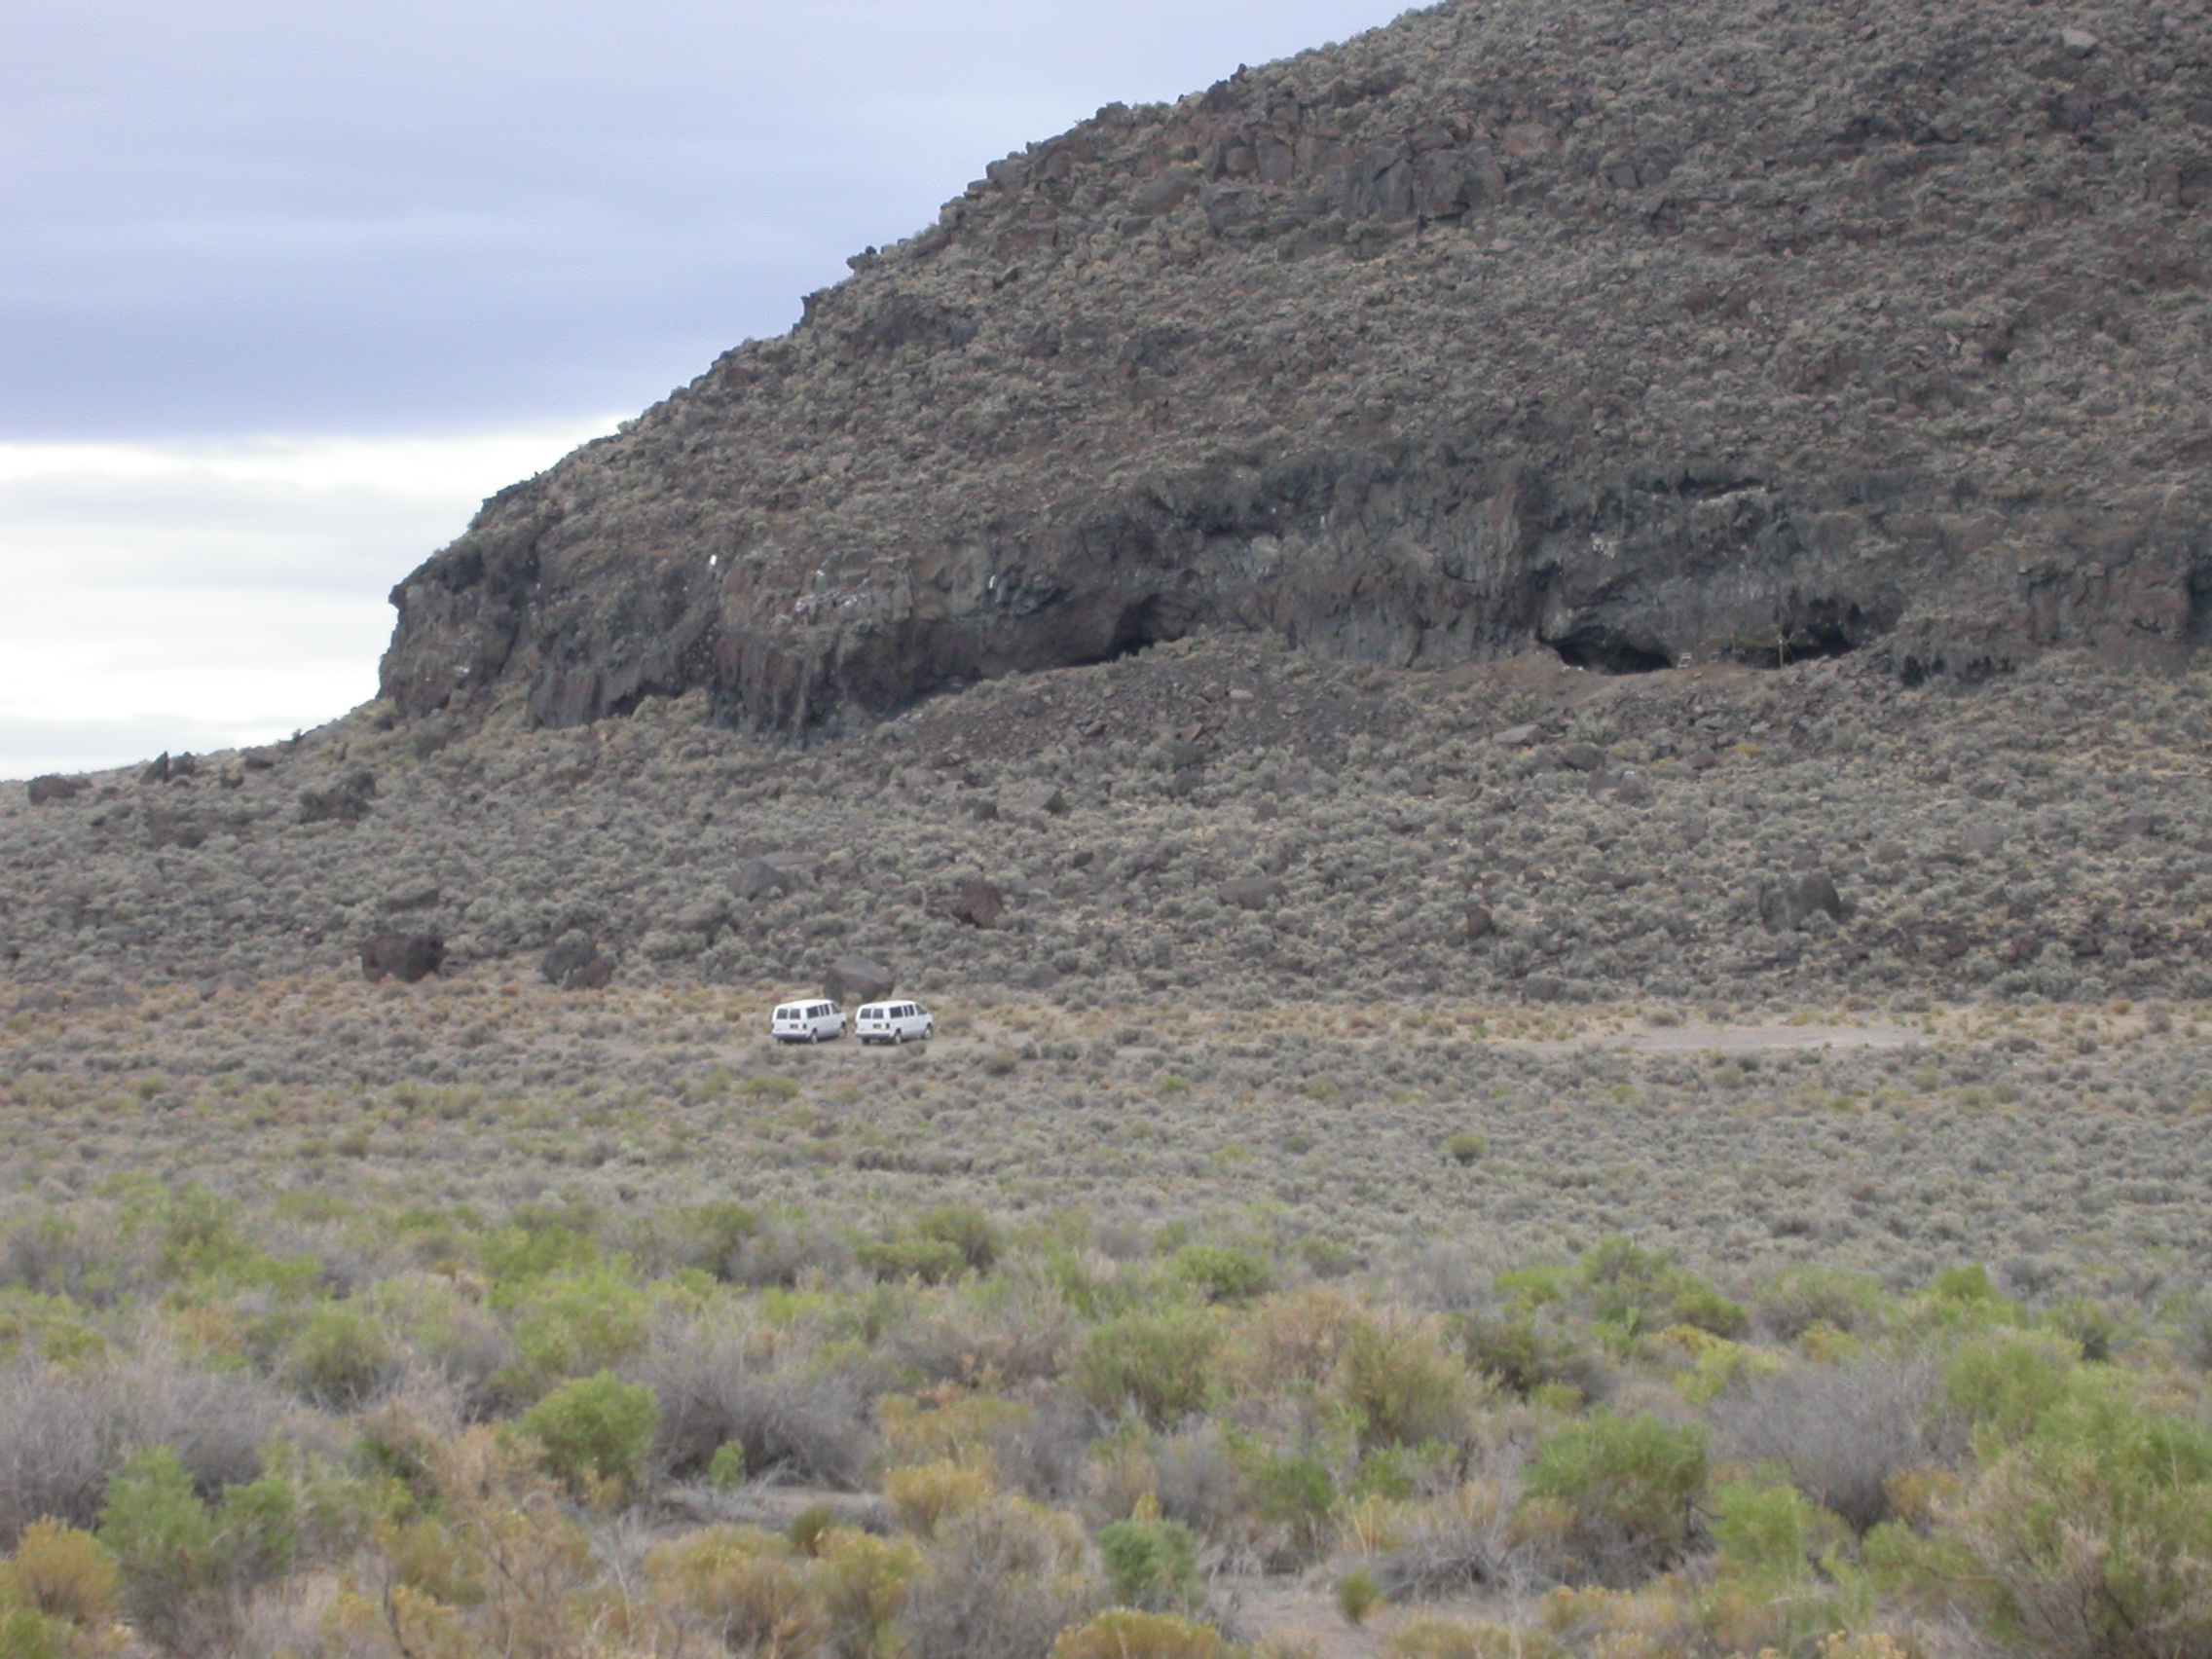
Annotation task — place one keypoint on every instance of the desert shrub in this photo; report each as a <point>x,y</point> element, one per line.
<point>811,1424</point>
<point>341,1356</point>
<point>1842,1431</point>
<point>1151,1562</point>
<point>1001,1582</point>
<point>1293,1339</point>
<point>740,1588</point>
<point>967,1230</point>
<point>59,1594</point>
<point>2005,1381</point>
<point>596,1431</point>
<point>1524,1354</point>
<point>1298,1495</point>
<point>862,1583</point>
<point>1466,1146</point>
<point>1456,1639</point>
<point>908,1256</point>
<point>1007,1329</point>
<point>1219,1272</point>
<point>1046,1453</point>
<point>725,1469</point>
<point>1406,1387</point>
<point>2095,1529</point>
<point>1788,1304</point>
<point>1629,1485</point>
<point>1761,1530</point>
<point>1124,1633</point>
<point>926,1495</point>
<point>1201,1481</point>
<point>1470,1539</point>
<point>952,1425</point>
<point>185,1567</point>
<point>1636,1291</point>
<point>1160,1364</point>
<point>1358,1595</point>
<point>573,1325</point>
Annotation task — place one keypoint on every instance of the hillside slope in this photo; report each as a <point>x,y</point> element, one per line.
<point>1655,335</point>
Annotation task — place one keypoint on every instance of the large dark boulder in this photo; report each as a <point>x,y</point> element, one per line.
<point>407,957</point>
<point>858,980</point>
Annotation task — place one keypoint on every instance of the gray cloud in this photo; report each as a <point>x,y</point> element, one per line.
<point>252,216</point>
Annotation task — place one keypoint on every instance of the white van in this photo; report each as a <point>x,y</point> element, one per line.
<point>893,1022</point>
<point>807,1022</point>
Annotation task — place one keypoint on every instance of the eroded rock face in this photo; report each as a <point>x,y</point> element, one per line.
<point>1651,334</point>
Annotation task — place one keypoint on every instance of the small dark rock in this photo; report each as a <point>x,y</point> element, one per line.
<point>410,899</point>
<point>984,811</point>
<point>1479,923</point>
<point>405,957</point>
<point>701,916</point>
<point>1582,756</point>
<point>158,772</point>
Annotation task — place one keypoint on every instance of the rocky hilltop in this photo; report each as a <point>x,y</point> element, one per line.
<point>1654,334</point>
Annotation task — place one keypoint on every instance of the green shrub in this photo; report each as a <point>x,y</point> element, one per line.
<point>1152,1563</point>
<point>2095,1531</point>
<point>1406,1387</point>
<point>967,1230</point>
<point>182,1563</point>
<point>725,1469</point>
<point>1221,1273</point>
<point>595,1430</point>
<point>1629,1485</point>
<point>932,1261</point>
<point>1525,1356</point>
<point>2005,1383</point>
<point>1358,1595</point>
<point>341,1356</point>
<point>59,1592</point>
<point>1159,1363</point>
<point>1465,1147</point>
<point>1761,1530</point>
<point>1299,1495</point>
<point>575,1324</point>
<point>1638,1291</point>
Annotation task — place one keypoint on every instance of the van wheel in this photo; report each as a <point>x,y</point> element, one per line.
<point>813,1037</point>
<point>899,1039</point>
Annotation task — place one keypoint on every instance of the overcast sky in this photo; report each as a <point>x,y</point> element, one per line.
<point>287,286</point>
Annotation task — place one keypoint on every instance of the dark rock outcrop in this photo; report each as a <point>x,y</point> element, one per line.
<point>1653,334</point>
<point>856,980</point>
<point>405,957</point>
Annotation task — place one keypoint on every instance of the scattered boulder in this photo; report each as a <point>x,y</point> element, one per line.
<point>167,827</point>
<point>1046,800</point>
<point>346,801</point>
<point>1479,923</point>
<point>1984,837</point>
<point>1517,737</point>
<point>983,811</point>
<point>403,956</point>
<point>54,787</point>
<point>575,963</point>
<point>1788,906</point>
<point>158,770</point>
<point>1581,757</point>
<point>855,978</point>
<point>781,874</point>
<point>420,898</point>
<point>2079,43</point>
<point>1252,893</point>
<point>701,916</point>
<point>979,904</point>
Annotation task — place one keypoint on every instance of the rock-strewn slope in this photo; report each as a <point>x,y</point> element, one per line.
<point>1651,333</point>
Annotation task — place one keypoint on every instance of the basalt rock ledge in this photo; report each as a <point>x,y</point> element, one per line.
<point>1653,334</point>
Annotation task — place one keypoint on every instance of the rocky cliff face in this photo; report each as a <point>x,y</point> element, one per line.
<point>1653,334</point>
